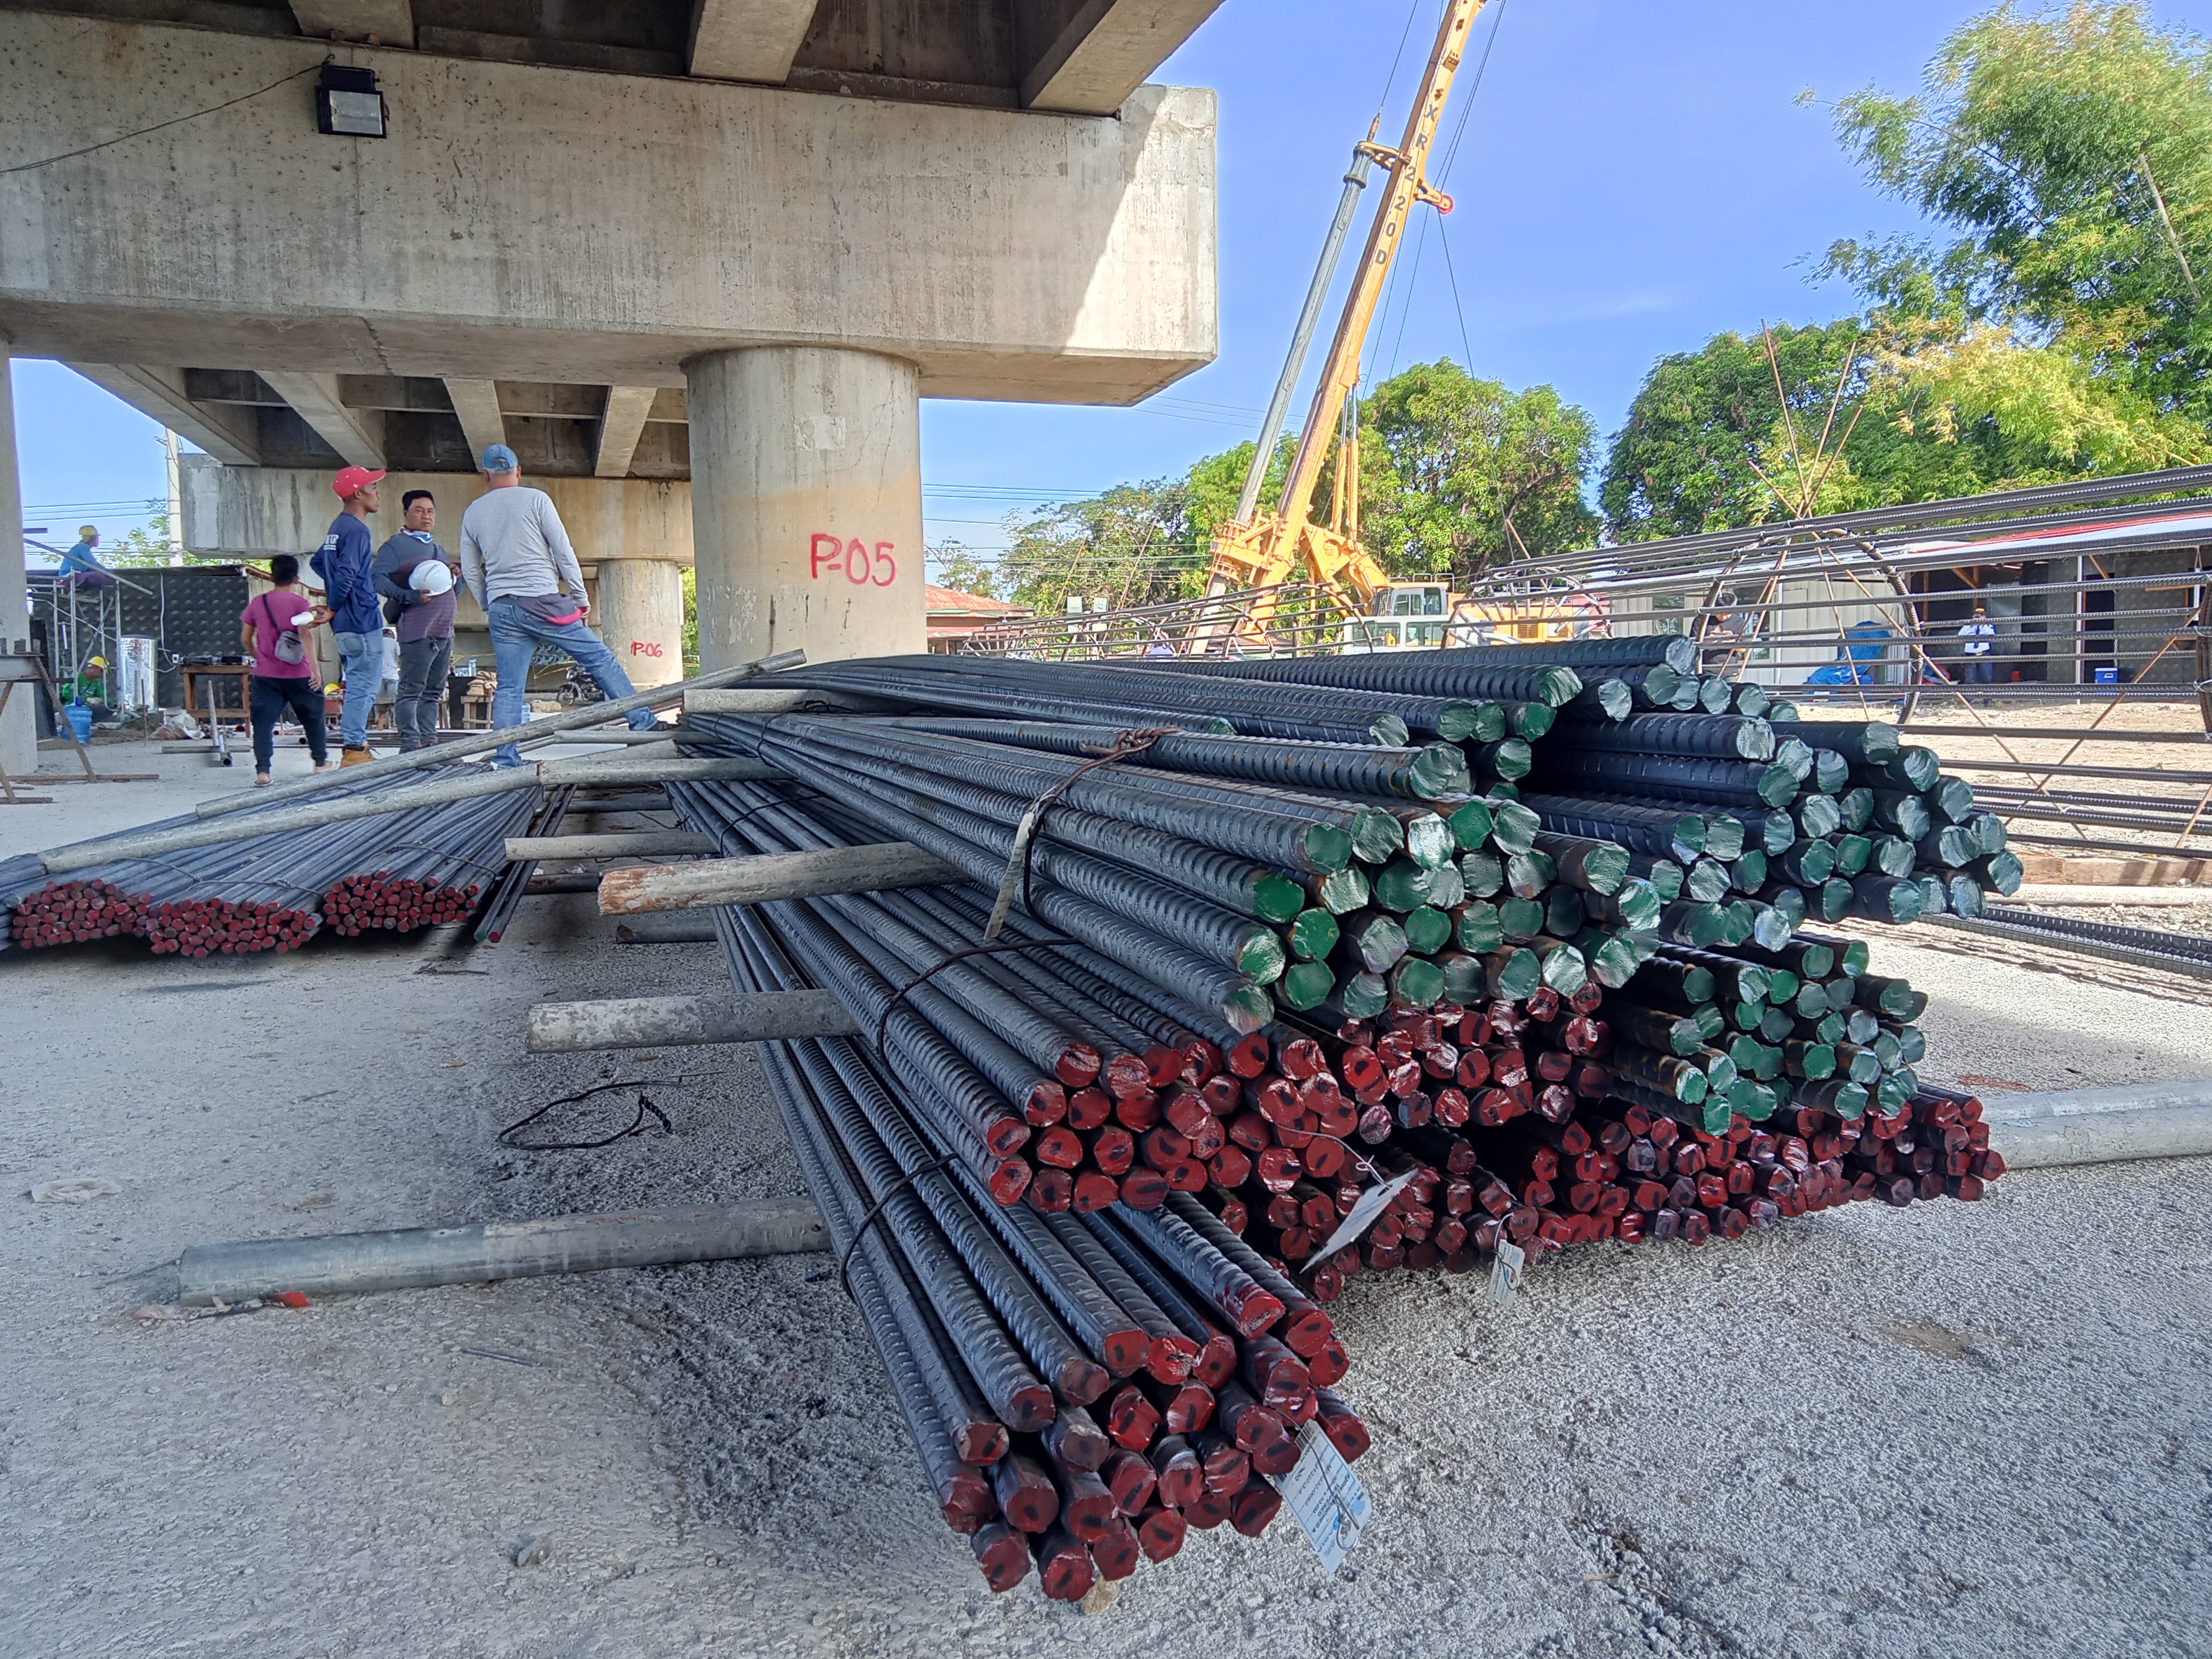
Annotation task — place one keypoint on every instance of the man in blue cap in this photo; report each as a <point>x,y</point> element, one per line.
<point>516,559</point>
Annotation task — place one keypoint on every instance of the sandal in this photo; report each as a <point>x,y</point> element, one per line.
<point>261,779</point>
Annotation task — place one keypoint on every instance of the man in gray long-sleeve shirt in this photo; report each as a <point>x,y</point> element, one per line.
<point>515,557</point>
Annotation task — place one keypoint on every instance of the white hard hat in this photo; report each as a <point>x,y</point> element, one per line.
<point>431,577</point>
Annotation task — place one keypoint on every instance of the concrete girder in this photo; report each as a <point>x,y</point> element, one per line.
<point>476,403</point>
<point>391,21</point>
<point>533,224</point>
<point>1105,50</point>
<point>226,432</point>
<point>357,435</point>
<point>747,39</point>
<point>621,426</point>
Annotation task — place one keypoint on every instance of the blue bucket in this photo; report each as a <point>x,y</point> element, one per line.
<point>80,719</point>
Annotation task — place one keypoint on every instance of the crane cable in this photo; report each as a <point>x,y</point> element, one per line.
<point>1420,245</point>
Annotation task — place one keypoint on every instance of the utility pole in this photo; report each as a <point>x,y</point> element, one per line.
<point>176,500</point>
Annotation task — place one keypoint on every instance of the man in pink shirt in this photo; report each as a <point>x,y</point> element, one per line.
<point>276,625</point>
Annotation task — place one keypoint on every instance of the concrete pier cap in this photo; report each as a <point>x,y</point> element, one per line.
<point>639,275</point>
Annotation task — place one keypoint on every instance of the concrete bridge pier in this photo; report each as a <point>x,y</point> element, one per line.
<point>639,612</point>
<point>805,503</point>
<point>19,741</point>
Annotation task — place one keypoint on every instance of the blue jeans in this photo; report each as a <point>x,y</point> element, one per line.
<point>515,636</point>
<point>363,657</point>
<point>1981,671</point>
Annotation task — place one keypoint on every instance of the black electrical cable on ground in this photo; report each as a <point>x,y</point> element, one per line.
<point>633,1127</point>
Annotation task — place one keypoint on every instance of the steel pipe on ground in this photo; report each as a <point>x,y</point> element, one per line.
<point>342,1263</point>
<point>677,929</point>
<point>2102,1126</point>
<point>560,1028</point>
<point>637,844</point>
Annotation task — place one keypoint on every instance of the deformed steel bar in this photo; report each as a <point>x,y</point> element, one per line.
<point>474,742</point>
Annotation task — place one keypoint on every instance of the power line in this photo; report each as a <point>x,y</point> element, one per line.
<point>125,137</point>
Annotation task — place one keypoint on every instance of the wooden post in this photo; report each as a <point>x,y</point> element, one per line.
<point>771,876</point>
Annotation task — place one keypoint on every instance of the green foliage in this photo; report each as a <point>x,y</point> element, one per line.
<point>1216,485</point>
<point>959,569</point>
<point>1458,473</point>
<point>2072,152</point>
<point>690,620</point>
<point>2062,334</point>
<point>1135,544</point>
<point>142,544</point>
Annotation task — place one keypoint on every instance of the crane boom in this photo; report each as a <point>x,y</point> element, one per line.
<point>1272,548</point>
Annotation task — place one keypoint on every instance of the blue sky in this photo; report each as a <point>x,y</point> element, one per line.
<point>1632,179</point>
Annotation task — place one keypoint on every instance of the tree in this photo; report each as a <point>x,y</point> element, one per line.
<point>2072,152</point>
<point>1458,473</point>
<point>1215,484</point>
<point>1134,544</point>
<point>961,570</point>
<point>142,544</point>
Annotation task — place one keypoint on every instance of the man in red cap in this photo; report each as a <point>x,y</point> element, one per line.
<point>344,564</point>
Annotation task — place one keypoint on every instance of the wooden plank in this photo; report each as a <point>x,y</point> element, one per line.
<point>771,876</point>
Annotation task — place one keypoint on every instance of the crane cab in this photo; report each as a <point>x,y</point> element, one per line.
<point>1402,616</point>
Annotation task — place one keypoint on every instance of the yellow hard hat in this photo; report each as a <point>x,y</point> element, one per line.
<point>86,531</point>
<point>95,662</point>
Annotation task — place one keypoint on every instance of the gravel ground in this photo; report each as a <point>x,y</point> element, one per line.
<point>1954,1430</point>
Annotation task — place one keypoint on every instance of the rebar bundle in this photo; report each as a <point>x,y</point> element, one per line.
<point>1138,1080</point>
<point>1088,1364</point>
<point>402,870</point>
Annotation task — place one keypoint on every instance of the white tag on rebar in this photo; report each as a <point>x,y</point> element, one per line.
<point>1505,1272</point>
<point>1371,1204</point>
<point>1325,1499</point>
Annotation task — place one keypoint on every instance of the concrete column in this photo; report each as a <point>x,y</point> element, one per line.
<point>19,731</point>
<point>639,612</point>
<point>806,503</point>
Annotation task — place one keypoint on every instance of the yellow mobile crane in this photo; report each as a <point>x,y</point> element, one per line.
<point>1267,549</point>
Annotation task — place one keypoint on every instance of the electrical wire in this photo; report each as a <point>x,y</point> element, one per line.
<point>174,120</point>
<point>1443,241</point>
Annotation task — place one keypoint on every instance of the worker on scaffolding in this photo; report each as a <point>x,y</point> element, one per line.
<point>79,566</point>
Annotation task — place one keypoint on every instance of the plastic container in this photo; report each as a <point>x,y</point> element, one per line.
<point>80,719</point>
<point>2108,676</point>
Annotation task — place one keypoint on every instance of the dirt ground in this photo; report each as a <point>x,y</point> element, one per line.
<point>1953,1429</point>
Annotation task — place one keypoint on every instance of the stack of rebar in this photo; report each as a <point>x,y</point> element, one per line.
<point>1090,1363</point>
<point>1240,944</point>
<point>403,870</point>
<point>514,882</point>
<point>71,912</point>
